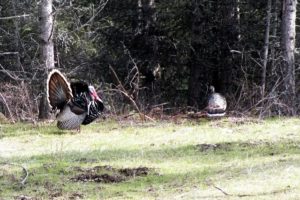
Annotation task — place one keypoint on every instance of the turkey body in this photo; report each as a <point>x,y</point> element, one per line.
<point>78,102</point>
<point>216,104</point>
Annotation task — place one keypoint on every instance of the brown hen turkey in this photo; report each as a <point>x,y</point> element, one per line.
<point>216,104</point>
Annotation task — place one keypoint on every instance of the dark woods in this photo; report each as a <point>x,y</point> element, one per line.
<point>144,54</point>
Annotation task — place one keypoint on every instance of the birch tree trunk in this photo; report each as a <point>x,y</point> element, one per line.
<point>17,37</point>
<point>275,25</point>
<point>288,28</point>
<point>46,51</point>
<point>151,16</point>
<point>266,48</point>
<point>140,18</point>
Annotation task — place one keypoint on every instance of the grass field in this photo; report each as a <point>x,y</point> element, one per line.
<point>229,158</point>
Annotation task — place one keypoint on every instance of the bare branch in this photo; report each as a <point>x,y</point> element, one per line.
<point>9,73</point>
<point>8,53</point>
<point>127,95</point>
<point>6,105</point>
<point>15,17</point>
<point>99,9</point>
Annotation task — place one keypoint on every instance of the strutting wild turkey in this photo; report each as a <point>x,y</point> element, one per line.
<point>78,102</point>
<point>216,104</point>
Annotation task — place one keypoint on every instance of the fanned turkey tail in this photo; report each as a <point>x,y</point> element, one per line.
<point>58,90</point>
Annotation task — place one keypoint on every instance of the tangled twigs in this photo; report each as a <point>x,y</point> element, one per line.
<point>123,91</point>
<point>12,98</point>
<point>25,171</point>
<point>7,107</point>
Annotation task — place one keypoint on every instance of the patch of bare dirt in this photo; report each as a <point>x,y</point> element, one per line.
<point>140,171</point>
<point>228,146</point>
<point>87,160</point>
<point>55,194</point>
<point>207,147</point>
<point>108,174</point>
<point>99,178</point>
<point>23,197</point>
<point>76,196</point>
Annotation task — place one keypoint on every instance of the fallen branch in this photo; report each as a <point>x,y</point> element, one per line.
<point>210,183</point>
<point>160,105</point>
<point>221,190</point>
<point>25,171</point>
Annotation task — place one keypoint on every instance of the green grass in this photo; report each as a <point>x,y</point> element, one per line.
<point>247,159</point>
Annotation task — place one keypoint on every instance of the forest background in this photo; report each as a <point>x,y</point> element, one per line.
<point>150,55</point>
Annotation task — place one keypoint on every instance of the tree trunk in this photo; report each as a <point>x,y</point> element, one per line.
<point>266,48</point>
<point>275,25</point>
<point>46,51</point>
<point>229,38</point>
<point>150,15</point>
<point>17,41</point>
<point>238,18</point>
<point>199,73</point>
<point>288,28</point>
<point>140,18</point>
<point>146,16</point>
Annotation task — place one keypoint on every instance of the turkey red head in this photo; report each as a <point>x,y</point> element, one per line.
<point>94,94</point>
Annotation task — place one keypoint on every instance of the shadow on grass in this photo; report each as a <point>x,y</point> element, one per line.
<point>17,129</point>
<point>50,173</point>
<point>53,179</point>
<point>22,129</point>
<point>45,182</point>
<point>202,152</point>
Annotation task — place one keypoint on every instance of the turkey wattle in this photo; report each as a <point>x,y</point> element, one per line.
<point>216,104</point>
<point>78,102</point>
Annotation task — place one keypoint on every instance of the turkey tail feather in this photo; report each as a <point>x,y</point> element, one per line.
<point>58,90</point>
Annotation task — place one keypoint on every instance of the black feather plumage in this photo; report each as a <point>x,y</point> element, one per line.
<point>74,101</point>
<point>95,111</point>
